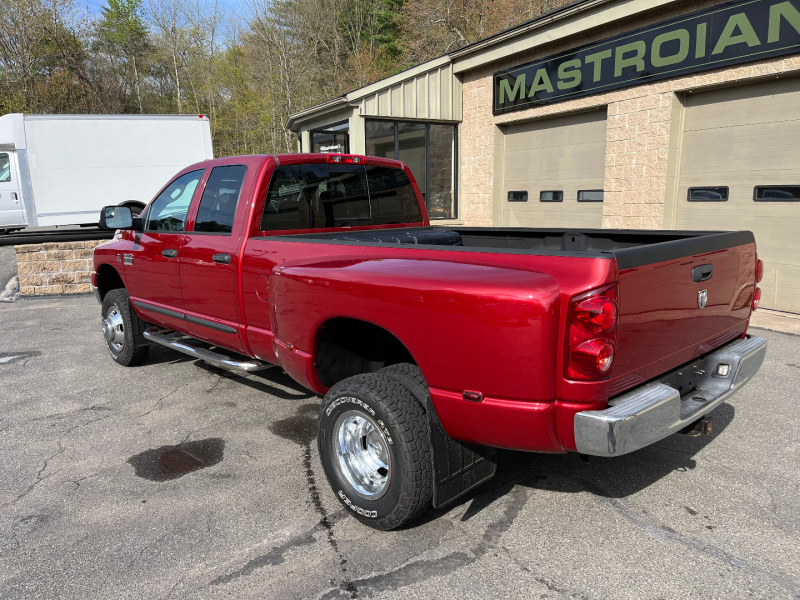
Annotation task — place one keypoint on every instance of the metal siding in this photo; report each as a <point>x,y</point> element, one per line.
<point>742,137</point>
<point>565,153</point>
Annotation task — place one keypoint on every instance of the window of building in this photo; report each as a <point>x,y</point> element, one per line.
<point>331,139</point>
<point>221,195</point>
<point>551,196</point>
<point>777,193</point>
<point>518,196</point>
<point>429,150</point>
<point>168,211</point>
<point>590,195</point>
<point>708,194</point>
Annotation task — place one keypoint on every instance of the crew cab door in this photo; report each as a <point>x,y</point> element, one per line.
<point>11,212</point>
<point>152,268</point>
<point>208,263</point>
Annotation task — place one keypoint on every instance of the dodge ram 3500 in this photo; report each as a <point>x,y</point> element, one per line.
<point>432,346</point>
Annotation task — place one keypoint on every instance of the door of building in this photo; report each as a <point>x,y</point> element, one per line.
<point>553,171</point>
<point>740,169</point>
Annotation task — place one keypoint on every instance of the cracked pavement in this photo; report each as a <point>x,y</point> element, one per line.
<point>253,517</point>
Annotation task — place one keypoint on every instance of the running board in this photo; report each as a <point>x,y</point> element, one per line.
<point>176,341</point>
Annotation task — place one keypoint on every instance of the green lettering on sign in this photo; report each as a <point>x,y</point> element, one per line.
<point>683,51</point>
<point>788,12</point>
<point>637,60</point>
<point>747,34</point>
<point>505,89</point>
<point>540,82</point>
<point>700,43</point>
<point>574,73</point>
<point>597,58</point>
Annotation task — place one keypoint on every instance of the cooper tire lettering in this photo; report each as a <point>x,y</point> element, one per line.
<point>372,514</point>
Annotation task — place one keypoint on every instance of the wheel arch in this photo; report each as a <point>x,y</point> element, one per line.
<point>108,278</point>
<point>347,346</point>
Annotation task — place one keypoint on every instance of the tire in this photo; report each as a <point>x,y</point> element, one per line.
<point>384,416</point>
<point>119,327</point>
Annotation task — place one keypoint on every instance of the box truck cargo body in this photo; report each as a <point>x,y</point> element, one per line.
<point>62,169</point>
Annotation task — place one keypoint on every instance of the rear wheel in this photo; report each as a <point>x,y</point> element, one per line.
<point>375,450</point>
<point>118,329</point>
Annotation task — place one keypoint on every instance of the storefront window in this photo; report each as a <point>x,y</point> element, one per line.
<point>429,150</point>
<point>332,139</point>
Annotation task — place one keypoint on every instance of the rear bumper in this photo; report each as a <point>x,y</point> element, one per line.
<point>652,412</point>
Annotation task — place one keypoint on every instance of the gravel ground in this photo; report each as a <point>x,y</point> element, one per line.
<point>86,512</point>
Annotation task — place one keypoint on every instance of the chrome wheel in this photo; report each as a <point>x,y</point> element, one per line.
<point>363,454</point>
<point>114,329</point>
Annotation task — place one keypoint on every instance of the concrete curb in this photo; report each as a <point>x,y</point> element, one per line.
<point>776,321</point>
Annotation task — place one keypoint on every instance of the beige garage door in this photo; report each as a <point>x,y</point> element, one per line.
<point>745,137</point>
<point>564,154</point>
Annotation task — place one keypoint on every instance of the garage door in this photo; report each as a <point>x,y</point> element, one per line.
<point>547,165</point>
<point>747,139</point>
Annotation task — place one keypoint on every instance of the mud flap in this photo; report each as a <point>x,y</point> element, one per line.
<point>458,466</point>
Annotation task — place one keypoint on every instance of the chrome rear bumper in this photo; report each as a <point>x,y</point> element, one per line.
<point>654,411</point>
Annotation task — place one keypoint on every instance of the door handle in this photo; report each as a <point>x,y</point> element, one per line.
<point>223,259</point>
<point>169,253</point>
<point>702,273</point>
<point>14,195</point>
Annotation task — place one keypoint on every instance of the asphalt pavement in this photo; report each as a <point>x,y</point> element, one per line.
<point>178,480</point>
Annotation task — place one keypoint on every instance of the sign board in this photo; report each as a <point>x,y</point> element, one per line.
<point>716,37</point>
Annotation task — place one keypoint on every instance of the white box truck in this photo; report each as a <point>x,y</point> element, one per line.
<point>62,169</point>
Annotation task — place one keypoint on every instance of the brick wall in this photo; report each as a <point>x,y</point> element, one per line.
<point>639,138</point>
<point>55,268</point>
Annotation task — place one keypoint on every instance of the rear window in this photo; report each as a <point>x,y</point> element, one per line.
<point>327,195</point>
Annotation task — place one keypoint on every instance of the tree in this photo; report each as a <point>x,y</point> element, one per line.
<point>121,32</point>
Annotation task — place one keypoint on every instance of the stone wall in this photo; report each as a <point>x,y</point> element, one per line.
<point>643,130</point>
<point>55,268</point>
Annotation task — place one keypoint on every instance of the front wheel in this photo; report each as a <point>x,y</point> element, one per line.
<point>118,330</point>
<point>375,450</point>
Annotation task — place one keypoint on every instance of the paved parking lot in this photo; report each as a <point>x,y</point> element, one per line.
<point>87,509</point>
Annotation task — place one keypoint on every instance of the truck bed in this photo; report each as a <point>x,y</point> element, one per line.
<point>661,324</point>
<point>629,247</point>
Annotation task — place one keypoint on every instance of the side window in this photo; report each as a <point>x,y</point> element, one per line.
<point>392,197</point>
<point>5,169</point>
<point>168,211</point>
<point>220,197</point>
<point>316,196</point>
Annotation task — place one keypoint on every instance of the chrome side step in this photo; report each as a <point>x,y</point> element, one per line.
<point>178,341</point>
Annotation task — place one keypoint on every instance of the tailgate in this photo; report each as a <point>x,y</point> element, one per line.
<point>674,310</point>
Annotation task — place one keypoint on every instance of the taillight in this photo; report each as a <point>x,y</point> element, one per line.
<point>756,298</point>
<point>592,335</point>
<point>345,159</point>
<point>759,270</point>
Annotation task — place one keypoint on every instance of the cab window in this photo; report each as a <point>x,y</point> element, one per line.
<point>5,168</point>
<point>221,195</point>
<point>168,211</point>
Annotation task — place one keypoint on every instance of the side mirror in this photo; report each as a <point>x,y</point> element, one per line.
<point>119,217</point>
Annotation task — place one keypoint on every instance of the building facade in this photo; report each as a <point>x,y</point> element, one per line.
<point>633,114</point>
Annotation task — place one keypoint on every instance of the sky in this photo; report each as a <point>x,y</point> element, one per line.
<point>93,6</point>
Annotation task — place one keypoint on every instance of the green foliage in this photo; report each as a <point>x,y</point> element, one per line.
<point>249,75</point>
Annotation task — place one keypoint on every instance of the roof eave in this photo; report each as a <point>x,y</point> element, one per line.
<point>315,111</point>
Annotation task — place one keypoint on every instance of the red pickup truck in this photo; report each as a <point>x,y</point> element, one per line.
<point>432,346</point>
